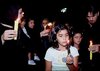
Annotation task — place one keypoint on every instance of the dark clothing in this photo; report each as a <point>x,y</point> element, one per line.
<point>13,53</point>
<point>34,44</point>
<point>33,47</point>
<point>91,33</point>
<point>45,40</point>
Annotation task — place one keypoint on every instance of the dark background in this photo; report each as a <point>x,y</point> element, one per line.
<point>39,9</point>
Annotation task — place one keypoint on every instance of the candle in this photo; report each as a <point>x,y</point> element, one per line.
<point>16,27</point>
<point>91,43</point>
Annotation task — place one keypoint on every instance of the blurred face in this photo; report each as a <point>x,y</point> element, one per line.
<point>31,24</point>
<point>45,22</point>
<point>92,18</point>
<point>20,13</point>
<point>77,38</point>
<point>62,37</point>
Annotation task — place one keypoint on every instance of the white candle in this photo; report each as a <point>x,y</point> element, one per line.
<point>16,22</point>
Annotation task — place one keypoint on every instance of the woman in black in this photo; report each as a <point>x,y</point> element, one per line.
<point>13,54</point>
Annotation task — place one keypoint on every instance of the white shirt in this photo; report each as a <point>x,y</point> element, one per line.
<point>58,58</point>
<point>25,32</point>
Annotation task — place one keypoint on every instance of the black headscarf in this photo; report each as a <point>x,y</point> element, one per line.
<point>10,14</point>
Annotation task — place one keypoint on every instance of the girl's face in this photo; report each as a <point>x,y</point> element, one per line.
<point>62,37</point>
<point>31,24</point>
<point>45,22</point>
<point>77,38</point>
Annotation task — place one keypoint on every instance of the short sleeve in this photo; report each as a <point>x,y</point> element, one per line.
<point>48,55</point>
<point>74,51</point>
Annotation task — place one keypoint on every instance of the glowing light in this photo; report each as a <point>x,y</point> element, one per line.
<point>63,10</point>
<point>50,24</point>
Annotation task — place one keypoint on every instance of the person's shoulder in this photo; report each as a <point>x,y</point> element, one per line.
<point>51,48</point>
<point>73,48</point>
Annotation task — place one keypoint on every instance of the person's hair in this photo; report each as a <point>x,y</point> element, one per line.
<point>11,14</point>
<point>57,28</point>
<point>73,33</point>
<point>92,8</point>
<point>45,19</point>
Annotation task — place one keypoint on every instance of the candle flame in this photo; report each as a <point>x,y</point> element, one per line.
<point>50,24</point>
<point>91,43</point>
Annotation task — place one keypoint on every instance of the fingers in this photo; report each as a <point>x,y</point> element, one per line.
<point>9,34</point>
<point>94,48</point>
<point>69,59</point>
<point>44,33</point>
<point>9,38</point>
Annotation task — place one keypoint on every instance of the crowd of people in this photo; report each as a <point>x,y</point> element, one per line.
<point>54,45</point>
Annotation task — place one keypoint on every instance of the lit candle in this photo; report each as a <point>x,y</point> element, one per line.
<point>91,43</point>
<point>16,22</point>
<point>50,24</point>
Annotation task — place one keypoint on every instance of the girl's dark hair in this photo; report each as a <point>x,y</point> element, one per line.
<point>92,8</point>
<point>75,31</point>
<point>54,32</point>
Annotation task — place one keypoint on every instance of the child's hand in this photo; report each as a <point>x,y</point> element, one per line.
<point>69,59</point>
<point>44,33</point>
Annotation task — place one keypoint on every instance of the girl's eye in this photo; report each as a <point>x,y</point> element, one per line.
<point>60,35</point>
<point>76,37</point>
<point>66,35</point>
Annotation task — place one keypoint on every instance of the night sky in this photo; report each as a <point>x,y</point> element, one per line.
<point>49,8</point>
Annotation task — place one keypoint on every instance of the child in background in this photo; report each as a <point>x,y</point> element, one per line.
<point>76,42</point>
<point>32,50</point>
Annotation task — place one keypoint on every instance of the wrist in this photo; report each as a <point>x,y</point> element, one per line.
<point>99,49</point>
<point>2,39</point>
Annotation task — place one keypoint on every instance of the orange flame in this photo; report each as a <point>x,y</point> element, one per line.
<point>91,43</point>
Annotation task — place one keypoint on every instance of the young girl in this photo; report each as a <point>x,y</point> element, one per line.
<point>32,49</point>
<point>76,39</point>
<point>56,57</point>
<point>76,42</point>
